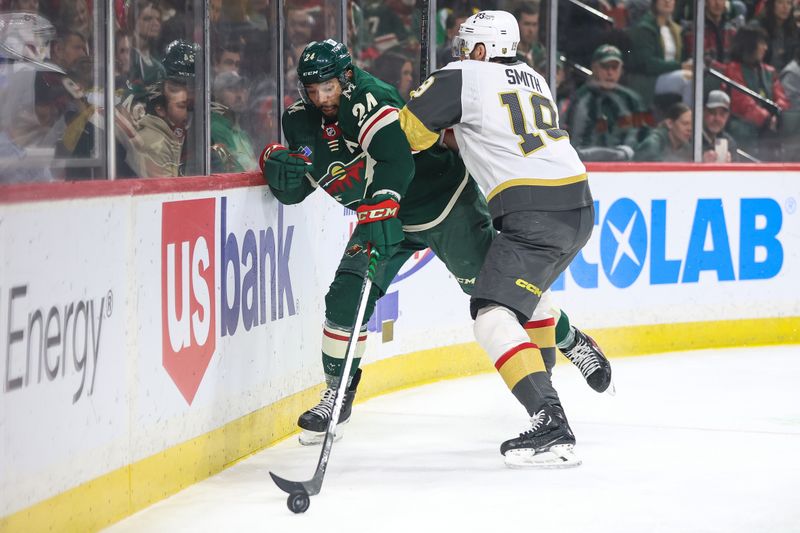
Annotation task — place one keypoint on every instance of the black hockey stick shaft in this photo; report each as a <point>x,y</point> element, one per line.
<point>314,485</point>
<point>424,44</point>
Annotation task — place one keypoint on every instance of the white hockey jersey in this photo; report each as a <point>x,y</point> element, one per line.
<point>507,129</point>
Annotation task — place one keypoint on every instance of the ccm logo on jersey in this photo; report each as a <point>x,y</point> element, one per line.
<point>381,211</point>
<point>528,286</point>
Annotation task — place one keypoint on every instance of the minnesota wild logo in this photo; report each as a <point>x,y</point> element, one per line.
<point>345,181</point>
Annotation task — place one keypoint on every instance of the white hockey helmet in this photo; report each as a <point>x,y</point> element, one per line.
<point>497,30</point>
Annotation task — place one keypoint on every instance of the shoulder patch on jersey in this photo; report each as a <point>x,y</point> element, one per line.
<point>295,107</point>
<point>384,116</point>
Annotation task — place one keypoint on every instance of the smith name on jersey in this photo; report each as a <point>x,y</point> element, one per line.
<point>364,150</point>
<point>506,126</point>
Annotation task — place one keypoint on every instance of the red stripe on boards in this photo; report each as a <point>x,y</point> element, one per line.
<point>72,190</point>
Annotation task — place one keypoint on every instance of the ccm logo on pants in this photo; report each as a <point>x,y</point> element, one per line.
<point>528,286</point>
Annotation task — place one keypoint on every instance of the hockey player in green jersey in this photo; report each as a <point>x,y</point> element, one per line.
<point>344,137</point>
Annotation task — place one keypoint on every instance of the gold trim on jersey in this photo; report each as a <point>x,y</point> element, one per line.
<point>537,182</point>
<point>419,136</point>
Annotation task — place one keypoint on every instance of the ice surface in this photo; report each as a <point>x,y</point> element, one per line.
<point>704,441</point>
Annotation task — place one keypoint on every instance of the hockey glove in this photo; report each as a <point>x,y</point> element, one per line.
<point>378,225</point>
<point>284,170</point>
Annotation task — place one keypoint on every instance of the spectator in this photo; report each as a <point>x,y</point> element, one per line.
<point>753,123</point>
<point>162,131</point>
<point>34,123</point>
<point>718,146</point>
<point>145,19</point>
<point>26,6</point>
<point>258,14</point>
<point>32,109</point>
<point>444,53</point>
<point>396,69</point>
<point>75,16</point>
<point>670,142</point>
<point>68,47</point>
<point>299,28</point>
<point>214,11</point>
<point>655,60</point>
<point>605,119</point>
<point>232,149</point>
<point>227,58</point>
<point>580,31</point>
<point>80,117</point>
<point>783,36</point>
<point>358,38</point>
<point>530,50</point>
<point>394,23</point>
<point>122,59</point>
<point>790,79</point>
<point>717,38</point>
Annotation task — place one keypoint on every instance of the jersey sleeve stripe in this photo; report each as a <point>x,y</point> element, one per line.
<point>385,115</point>
<point>418,135</point>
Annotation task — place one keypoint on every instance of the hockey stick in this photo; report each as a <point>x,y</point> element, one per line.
<point>299,491</point>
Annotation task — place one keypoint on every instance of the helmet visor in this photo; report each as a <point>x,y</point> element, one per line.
<point>461,47</point>
<point>314,92</point>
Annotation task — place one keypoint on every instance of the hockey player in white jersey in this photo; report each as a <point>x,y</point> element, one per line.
<point>506,125</point>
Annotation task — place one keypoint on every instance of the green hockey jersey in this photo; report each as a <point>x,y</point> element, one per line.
<point>364,150</point>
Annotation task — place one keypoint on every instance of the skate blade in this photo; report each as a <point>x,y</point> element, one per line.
<point>312,438</point>
<point>558,456</point>
<point>611,390</point>
<point>315,438</point>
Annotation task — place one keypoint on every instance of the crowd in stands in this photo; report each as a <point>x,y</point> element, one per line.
<point>627,69</point>
<point>624,77</point>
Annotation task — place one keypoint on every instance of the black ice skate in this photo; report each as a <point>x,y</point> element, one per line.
<point>548,444</point>
<point>590,360</point>
<point>314,422</point>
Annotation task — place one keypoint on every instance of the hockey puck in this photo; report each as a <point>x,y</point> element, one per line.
<point>298,502</point>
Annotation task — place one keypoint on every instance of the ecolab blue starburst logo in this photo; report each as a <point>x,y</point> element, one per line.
<point>623,243</point>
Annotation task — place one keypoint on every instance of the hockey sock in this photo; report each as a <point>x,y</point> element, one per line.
<point>516,358</point>
<point>541,331</point>
<point>565,333</point>
<point>334,350</point>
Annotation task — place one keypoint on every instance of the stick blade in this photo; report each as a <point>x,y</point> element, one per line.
<point>288,486</point>
<point>310,487</point>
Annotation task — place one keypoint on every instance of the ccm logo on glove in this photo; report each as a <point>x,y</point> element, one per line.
<point>381,211</point>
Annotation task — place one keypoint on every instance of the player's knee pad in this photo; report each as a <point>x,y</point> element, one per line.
<point>546,306</point>
<point>341,302</point>
<point>498,331</point>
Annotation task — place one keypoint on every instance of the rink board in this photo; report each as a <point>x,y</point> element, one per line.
<point>156,334</point>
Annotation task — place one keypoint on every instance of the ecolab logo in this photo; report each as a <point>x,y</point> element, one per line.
<point>626,236</point>
<point>251,267</point>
